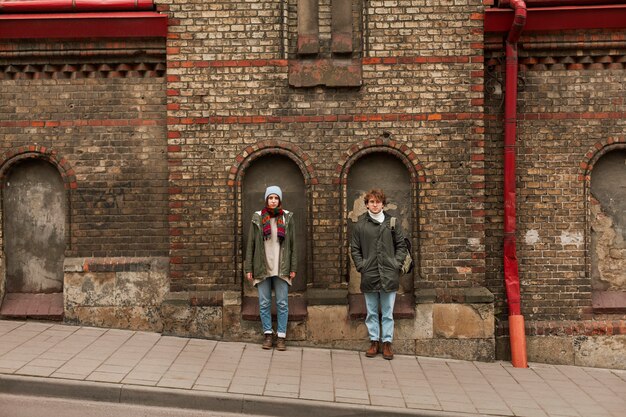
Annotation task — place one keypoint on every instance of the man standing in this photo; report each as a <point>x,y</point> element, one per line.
<point>378,252</point>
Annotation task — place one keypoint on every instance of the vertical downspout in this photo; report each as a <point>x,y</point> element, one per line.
<point>511,274</point>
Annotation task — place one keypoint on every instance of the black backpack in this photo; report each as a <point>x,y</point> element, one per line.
<point>407,264</point>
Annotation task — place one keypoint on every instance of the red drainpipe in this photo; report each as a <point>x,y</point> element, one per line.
<point>511,273</point>
<point>42,6</point>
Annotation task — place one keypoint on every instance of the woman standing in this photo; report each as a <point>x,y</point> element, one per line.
<point>271,262</point>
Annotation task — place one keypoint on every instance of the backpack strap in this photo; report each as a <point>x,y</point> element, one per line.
<point>392,226</point>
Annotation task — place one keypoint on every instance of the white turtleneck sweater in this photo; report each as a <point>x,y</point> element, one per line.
<point>380,217</point>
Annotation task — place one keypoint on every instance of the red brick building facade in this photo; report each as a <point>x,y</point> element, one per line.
<point>163,135</point>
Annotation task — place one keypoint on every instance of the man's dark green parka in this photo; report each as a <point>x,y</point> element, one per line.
<point>375,254</point>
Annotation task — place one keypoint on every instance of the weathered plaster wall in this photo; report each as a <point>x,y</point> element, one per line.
<point>608,252</point>
<point>123,293</point>
<point>608,222</point>
<point>35,205</point>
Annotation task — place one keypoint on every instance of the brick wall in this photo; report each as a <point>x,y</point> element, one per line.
<point>228,92</point>
<point>154,161</point>
<point>100,119</point>
<point>571,107</point>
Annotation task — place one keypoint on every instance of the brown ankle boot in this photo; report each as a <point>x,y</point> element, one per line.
<point>268,342</point>
<point>373,350</point>
<point>387,351</point>
<point>280,344</point>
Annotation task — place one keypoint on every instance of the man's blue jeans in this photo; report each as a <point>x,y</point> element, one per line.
<point>281,288</point>
<point>386,300</point>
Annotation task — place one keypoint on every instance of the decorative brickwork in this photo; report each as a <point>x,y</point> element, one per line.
<point>567,63</point>
<point>9,157</point>
<point>386,145</point>
<point>73,71</point>
<point>252,152</point>
<point>596,152</point>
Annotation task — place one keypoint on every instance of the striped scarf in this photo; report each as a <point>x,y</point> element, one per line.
<point>266,215</point>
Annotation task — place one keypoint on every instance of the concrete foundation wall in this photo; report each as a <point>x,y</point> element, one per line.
<point>124,293</point>
<point>594,351</point>
<point>133,293</point>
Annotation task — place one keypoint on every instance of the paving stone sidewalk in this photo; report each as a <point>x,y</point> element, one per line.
<point>149,368</point>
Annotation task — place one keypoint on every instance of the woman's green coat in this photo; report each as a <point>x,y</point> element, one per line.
<point>256,261</point>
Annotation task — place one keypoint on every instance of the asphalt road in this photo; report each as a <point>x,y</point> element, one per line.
<point>23,406</point>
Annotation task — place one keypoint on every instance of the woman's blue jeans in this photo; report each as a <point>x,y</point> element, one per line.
<point>386,300</point>
<point>281,288</point>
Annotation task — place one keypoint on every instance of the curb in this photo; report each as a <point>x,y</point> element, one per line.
<point>199,400</point>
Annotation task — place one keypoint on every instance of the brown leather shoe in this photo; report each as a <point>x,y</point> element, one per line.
<point>373,350</point>
<point>280,344</point>
<point>387,351</point>
<point>268,341</point>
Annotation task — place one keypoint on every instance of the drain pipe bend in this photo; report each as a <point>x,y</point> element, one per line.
<point>511,274</point>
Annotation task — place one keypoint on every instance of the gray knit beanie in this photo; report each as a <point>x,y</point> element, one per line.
<point>274,189</point>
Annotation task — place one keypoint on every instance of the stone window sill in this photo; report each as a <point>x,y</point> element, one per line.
<point>611,302</point>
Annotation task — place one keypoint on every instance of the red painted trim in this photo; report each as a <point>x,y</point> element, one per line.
<point>391,117</point>
<point>57,6</point>
<point>559,18</point>
<point>560,3</point>
<point>83,25</point>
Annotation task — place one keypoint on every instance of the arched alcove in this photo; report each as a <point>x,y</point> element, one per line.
<point>380,170</point>
<point>608,231</point>
<point>277,169</point>
<point>34,208</point>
